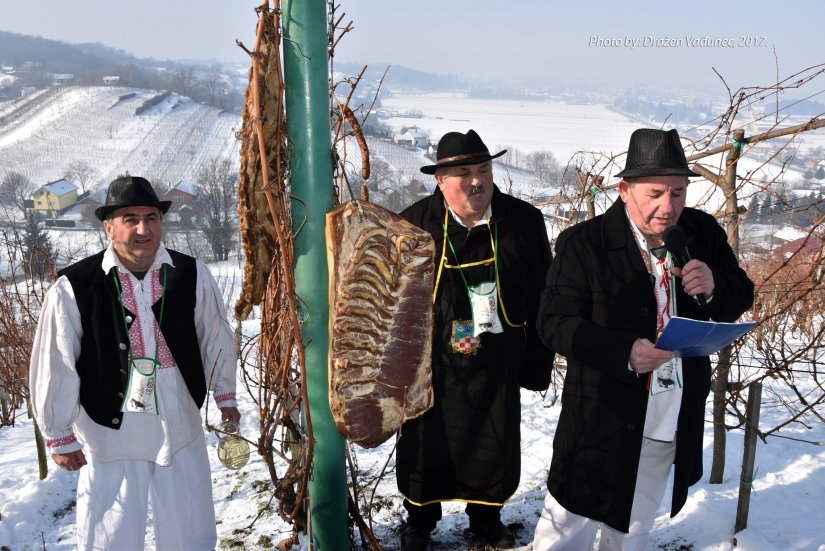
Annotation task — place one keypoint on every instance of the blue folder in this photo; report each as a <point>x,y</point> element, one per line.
<point>689,337</point>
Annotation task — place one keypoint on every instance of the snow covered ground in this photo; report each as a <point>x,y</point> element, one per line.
<point>786,511</point>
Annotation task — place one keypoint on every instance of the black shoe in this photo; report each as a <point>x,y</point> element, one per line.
<point>415,538</point>
<point>494,534</point>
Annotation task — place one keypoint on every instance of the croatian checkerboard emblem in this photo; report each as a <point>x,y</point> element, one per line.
<point>462,339</point>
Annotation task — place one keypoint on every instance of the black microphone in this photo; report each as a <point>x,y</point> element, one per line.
<point>676,244</point>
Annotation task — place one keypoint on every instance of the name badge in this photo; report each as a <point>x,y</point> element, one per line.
<point>484,302</point>
<point>666,377</point>
<point>140,392</point>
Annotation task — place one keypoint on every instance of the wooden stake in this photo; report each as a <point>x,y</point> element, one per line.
<point>749,455</point>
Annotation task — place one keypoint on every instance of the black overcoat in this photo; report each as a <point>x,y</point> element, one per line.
<point>467,447</point>
<point>599,299</point>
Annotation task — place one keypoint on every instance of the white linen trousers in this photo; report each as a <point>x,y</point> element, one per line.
<point>112,498</point>
<point>560,530</point>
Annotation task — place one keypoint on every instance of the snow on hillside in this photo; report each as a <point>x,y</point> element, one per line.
<point>42,134</point>
<point>529,126</point>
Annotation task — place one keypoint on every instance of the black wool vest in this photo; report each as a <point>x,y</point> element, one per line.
<point>103,365</point>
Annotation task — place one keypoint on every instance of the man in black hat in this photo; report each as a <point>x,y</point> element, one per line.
<point>126,342</point>
<point>630,411</point>
<point>493,258</point>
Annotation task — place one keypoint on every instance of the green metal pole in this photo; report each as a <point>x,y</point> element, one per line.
<point>308,128</point>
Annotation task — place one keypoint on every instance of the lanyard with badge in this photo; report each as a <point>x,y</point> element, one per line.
<point>141,390</point>
<point>486,296</point>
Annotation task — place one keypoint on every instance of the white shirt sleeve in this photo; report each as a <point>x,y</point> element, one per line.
<point>53,380</point>
<point>216,341</point>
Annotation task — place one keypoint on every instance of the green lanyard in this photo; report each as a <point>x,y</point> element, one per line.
<point>123,309</point>
<point>460,266</point>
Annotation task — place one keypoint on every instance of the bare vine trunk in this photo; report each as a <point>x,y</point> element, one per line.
<point>720,382</point>
<point>42,457</point>
<point>719,389</point>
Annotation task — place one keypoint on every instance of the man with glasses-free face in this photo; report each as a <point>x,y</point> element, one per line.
<point>492,256</point>
<point>128,343</point>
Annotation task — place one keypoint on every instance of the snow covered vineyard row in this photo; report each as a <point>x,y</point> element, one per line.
<point>42,134</point>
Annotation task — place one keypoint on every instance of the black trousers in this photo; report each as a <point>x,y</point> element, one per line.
<point>426,516</point>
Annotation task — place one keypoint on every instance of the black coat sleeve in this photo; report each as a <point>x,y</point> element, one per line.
<point>734,291</point>
<point>537,370</point>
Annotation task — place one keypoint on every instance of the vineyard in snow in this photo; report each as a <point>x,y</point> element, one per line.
<point>165,137</point>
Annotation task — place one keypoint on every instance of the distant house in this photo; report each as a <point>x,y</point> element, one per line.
<point>55,197</point>
<point>183,193</point>
<point>84,210</point>
<point>804,246</point>
<point>412,137</point>
<point>62,78</point>
<point>111,80</point>
<point>31,66</point>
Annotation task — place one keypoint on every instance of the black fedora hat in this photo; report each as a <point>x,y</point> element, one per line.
<point>655,153</point>
<point>130,191</point>
<point>457,149</point>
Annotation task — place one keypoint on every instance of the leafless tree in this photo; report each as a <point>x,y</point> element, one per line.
<point>215,88</point>
<point>20,299</point>
<point>217,185</point>
<point>80,172</point>
<point>380,185</point>
<point>184,81</point>
<point>15,189</point>
<point>545,166</point>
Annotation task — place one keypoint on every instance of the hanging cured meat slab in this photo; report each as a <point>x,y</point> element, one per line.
<point>380,319</point>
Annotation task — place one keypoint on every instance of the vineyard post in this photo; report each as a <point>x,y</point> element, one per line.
<point>308,130</point>
<point>749,455</point>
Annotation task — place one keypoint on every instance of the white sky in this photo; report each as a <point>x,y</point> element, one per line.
<point>503,41</point>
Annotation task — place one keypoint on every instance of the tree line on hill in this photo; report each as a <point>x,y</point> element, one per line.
<point>35,60</point>
<point>654,107</point>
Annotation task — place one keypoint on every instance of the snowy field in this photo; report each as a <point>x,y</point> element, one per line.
<point>527,125</point>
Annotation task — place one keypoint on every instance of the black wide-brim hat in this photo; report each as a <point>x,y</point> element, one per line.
<point>457,149</point>
<point>655,153</point>
<point>130,191</point>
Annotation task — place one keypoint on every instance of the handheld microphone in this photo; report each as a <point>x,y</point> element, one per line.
<point>676,244</point>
